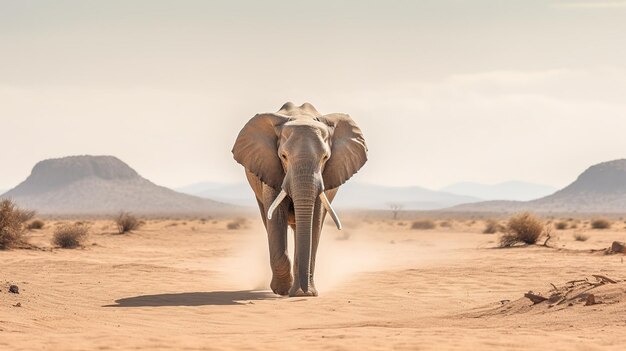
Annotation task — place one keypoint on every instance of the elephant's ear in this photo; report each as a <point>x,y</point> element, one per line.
<point>256,148</point>
<point>348,150</point>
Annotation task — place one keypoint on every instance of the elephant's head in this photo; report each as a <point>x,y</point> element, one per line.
<point>301,153</point>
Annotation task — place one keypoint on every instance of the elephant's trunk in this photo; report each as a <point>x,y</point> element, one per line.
<point>305,189</point>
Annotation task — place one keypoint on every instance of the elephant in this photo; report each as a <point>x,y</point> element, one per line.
<point>295,160</point>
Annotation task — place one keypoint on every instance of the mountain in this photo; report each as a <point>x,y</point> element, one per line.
<point>237,193</point>
<point>350,195</point>
<point>513,190</point>
<point>100,185</point>
<point>369,196</point>
<point>599,189</point>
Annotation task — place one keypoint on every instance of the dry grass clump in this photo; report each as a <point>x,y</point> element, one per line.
<point>445,224</point>
<point>561,225</point>
<point>12,224</point>
<point>522,228</point>
<point>70,236</point>
<point>492,227</point>
<point>36,224</point>
<point>600,223</point>
<point>237,223</point>
<point>580,237</point>
<point>126,222</point>
<point>423,224</point>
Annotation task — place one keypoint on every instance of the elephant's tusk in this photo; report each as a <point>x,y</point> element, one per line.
<point>276,202</point>
<point>330,210</point>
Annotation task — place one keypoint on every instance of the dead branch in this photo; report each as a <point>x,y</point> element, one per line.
<point>548,231</point>
<point>604,279</point>
<point>534,298</point>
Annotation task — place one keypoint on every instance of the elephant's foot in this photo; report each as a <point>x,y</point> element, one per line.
<point>281,275</point>
<point>297,291</point>
<point>281,285</point>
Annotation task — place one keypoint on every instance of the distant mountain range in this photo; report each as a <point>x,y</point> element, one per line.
<point>370,196</point>
<point>105,184</point>
<point>350,195</point>
<point>599,189</point>
<point>101,185</point>
<point>513,190</point>
<point>236,193</point>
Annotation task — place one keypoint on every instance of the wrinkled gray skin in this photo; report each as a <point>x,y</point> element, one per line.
<point>304,153</point>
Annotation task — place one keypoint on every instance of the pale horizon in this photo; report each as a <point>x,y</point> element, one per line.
<point>444,91</point>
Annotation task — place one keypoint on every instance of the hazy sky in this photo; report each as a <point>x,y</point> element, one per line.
<point>445,91</point>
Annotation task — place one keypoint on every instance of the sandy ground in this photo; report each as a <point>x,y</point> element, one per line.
<point>197,285</point>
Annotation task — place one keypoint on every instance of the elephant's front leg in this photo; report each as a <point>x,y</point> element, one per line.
<point>277,240</point>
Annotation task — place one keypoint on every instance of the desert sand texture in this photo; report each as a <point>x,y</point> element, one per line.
<point>195,284</point>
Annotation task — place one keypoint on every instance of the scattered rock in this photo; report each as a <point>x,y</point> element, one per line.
<point>618,247</point>
<point>591,300</point>
<point>19,304</point>
<point>14,289</point>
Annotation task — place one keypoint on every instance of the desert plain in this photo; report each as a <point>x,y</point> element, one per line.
<point>202,284</point>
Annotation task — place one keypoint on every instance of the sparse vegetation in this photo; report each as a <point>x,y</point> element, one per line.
<point>522,228</point>
<point>580,237</point>
<point>423,224</point>
<point>237,223</point>
<point>126,222</point>
<point>35,224</point>
<point>561,225</point>
<point>491,227</point>
<point>395,209</point>
<point>445,224</point>
<point>70,236</point>
<point>600,223</point>
<point>12,224</point>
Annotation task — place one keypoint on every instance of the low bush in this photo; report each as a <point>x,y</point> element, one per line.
<point>522,228</point>
<point>126,222</point>
<point>237,223</point>
<point>70,236</point>
<point>423,224</point>
<point>12,224</point>
<point>445,224</point>
<point>561,225</point>
<point>36,224</point>
<point>491,227</point>
<point>580,237</point>
<point>600,223</point>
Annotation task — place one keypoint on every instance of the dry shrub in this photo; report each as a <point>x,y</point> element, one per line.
<point>445,224</point>
<point>522,228</point>
<point>580,237</point>
<point>491,227</point>
<point>126,222</point>
<point>600,223</point>
<point>12,224</point>
<point>36,224</point>
<point>237,223</point>
<point>561,225</point>
<point>70,236</point>
<point>423,224</point>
